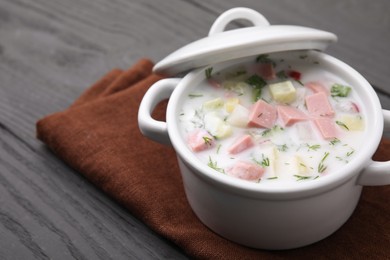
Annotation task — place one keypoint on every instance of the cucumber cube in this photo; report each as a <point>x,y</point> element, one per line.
<point>283,92</point>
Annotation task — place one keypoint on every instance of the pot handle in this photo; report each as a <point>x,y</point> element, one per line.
<point>377,173</point>
<point>237,13</point>
<point>149,127</point>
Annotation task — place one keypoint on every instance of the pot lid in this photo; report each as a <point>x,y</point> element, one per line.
<point>262,38</point>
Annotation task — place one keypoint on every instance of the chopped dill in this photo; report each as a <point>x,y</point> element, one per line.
<point>264,162</point>
<point>263,58</point>
<point>321,166</point>
<point>213,165</point>
<point>300,177</point>
<point>313,147</point>
<point>272,130</point>
<point>342,125</point>
<point>207,140</point>
<point>193,95</point>
<point>219,148</point>
<point>208,72</point>
<point>257,83</point>
<point>281,75</point>
<point>282,147</point>
<point>334,141</point>
<point>300,82</point>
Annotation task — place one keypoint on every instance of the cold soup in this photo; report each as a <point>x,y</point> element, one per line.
<point>281,117</point>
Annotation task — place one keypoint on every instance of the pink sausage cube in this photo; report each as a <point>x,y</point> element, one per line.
<point>327,127</point>
<point>317,87</point>
<point>262,114</point>
<point>200,140</point>
<point>246,171</point>
<point>290,115</point>
<point>214,83</point>
<point>267,71</point>
<point>318,105</point>
<point>241,144</point>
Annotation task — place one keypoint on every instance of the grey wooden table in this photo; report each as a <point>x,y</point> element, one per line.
<point>51,50</point>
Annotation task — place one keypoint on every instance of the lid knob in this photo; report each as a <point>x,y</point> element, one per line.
<point>230,15</point>
<point>222,45</point>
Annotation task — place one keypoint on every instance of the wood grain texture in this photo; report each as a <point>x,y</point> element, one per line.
<point>51,50</point>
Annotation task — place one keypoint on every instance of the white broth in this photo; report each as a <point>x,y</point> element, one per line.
<point>279,119</point>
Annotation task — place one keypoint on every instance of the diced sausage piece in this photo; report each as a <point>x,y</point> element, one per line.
<point>214,83</point>
<point>246,171</point>
<point>317,87</point>
<point>290,115</point>
<point>241,144</point>
<point>262,114</point>
<point>327,127</point>
<point>200,140</point>
<point>267,71</point>
<point>318,105</point>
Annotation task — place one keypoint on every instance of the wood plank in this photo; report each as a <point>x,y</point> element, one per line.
<point>52,209</point>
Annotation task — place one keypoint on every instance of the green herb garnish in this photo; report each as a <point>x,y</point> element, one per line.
<point>342,125</point>
<point>240,72</point>
<point>219,148</point>
<point>207,140</point>
<point>339,90</point>
<point>281,75</point>
<point>266,132</point>
<point>274,129</point>
<point>213,165</point>
<point>300,82</point>
<point>334,141</point>
<point>300,177</point>
<point>313,147</point>
<point>264,162</point>
<point>208,72</point>
<point>198,118</point>
<point>282,148</point>
<point>195,95</point>
<point>272,178</point>
<point>321,166</point>
<point>263,58</point>
<point>257,83</point>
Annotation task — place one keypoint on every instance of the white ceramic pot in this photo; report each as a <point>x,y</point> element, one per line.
<point>266,217</point>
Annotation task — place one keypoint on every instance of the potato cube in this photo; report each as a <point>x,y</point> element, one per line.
<point>239,116</point>
<point>352,122</point>
<point>230,104</point>
<point>213,104</point>
<point>216,126</point>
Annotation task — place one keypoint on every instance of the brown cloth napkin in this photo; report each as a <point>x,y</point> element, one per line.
<point>98,136</point>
